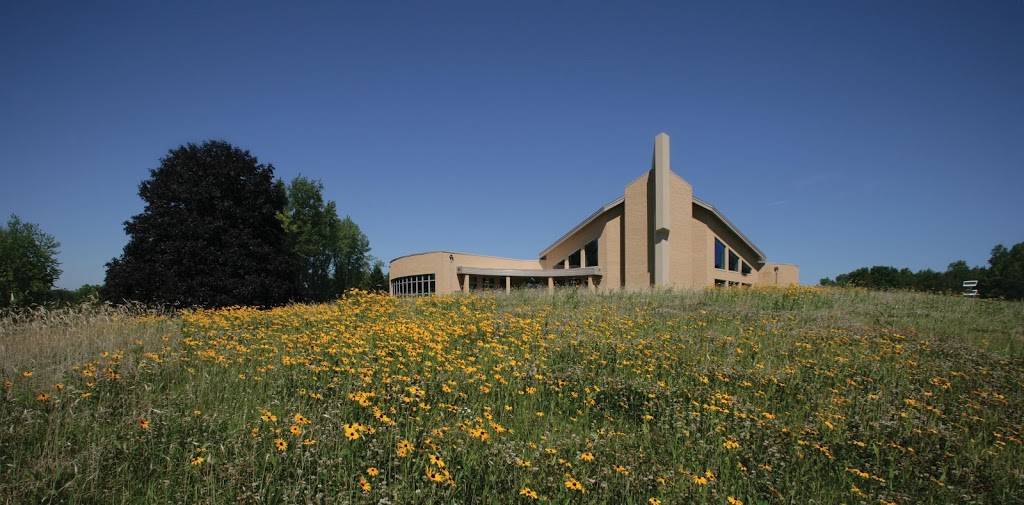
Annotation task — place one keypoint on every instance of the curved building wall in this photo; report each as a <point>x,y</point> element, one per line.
<point>444,264</point>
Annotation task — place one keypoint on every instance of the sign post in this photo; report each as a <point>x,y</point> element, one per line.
<point>971,288</point>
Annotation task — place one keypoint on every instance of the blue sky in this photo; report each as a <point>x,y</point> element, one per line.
<point>834,134</point>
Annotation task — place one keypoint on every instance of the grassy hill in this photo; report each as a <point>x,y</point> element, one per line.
<point>724,396</point>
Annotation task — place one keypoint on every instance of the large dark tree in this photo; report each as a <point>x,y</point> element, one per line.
<point>209,234</point>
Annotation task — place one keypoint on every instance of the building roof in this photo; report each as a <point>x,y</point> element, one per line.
<point>732,227</point>
<point>459,252</point>
<point>612,204</point>
<point>605,208</point>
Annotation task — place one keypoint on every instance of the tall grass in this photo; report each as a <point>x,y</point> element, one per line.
<point>720,396</point>
<point>50,340</point>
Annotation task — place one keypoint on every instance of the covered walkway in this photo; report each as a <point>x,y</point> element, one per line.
<point>474,278</point>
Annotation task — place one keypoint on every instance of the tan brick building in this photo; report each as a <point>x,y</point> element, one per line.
<point>656,234</point>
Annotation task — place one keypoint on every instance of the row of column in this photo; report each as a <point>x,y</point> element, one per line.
<point>508,283</point>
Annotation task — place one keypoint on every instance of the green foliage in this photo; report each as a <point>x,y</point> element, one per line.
<point>377,280</point>
<point>28,263</point>
<point>1004,278</point>
<point>333,253</point>
<point>209,234</point>
<point>87,294</point>
<point>312,227</point>
<point>352,256</point>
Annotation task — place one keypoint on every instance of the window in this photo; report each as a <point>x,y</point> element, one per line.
<point>574,260</point>
<point>413,285</point>
<point>719,283</point>
<point>744,268</point>
<point>591,250</point>
<point>733,283</point>
<point>734,261</point>
<point>719,254</point>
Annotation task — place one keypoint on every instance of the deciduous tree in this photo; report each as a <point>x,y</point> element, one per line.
<point>28,263</point>
<point>209,234</point>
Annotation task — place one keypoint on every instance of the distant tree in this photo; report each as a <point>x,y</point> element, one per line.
<point>87,293</point>
<point>313,231</point>
<point>378,279</point>
<point>351,256</point>
<point>1006,272</point>
<point>209,234</point>
<point>1004,278</point>
<point>28,263</point>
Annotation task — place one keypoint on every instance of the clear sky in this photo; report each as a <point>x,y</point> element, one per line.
<point>834,134</point>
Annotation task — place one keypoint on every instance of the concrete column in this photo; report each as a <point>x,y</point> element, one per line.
<point>583,256</point>
<point>590,282</point>
<point>508,284</point>
<point>662,209</point>
<point>465,283</point>
<point>551,284</point>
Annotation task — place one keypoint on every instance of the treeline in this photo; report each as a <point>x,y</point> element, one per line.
<point>218,229</point>
<point>1002,278</point>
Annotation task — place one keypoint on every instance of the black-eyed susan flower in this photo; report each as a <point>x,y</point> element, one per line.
<point>529,493</point>
<point>280,444</point>
<point>351,431</point>
<point>404,448</point>
<point>436,461</point>
<point>574,485</point>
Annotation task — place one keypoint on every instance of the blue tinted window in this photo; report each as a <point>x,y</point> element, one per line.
<point>719,254</point>
<point>734,262</point>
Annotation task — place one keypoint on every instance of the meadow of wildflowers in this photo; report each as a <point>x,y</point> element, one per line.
<point>724,397</point>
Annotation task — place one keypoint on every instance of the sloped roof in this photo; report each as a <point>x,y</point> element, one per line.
<point>605,208</point>
<point>618,201</point>
<point>732,227</point>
